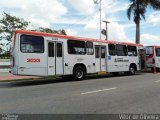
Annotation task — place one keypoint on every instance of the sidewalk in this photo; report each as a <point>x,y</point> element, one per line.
<point>8,76</point>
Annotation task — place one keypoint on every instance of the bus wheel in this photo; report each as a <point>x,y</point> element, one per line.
<point>132,70</point>
<point>79,73</point>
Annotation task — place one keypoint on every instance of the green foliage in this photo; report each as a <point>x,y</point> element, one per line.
<point>138,8</point>
<point>8,24</point>
<point>5,55</point>
<point>63,32</point>
<point>48,30</point>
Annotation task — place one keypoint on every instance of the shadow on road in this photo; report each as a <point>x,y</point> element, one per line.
<point>56,80</point>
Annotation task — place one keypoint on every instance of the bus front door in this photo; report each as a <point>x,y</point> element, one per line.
<point>55,58</point>
<point>100,54</point>
<point>142,59</point>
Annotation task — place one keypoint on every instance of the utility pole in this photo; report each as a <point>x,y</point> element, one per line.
<point>106,28</point>
<point>100,9</point>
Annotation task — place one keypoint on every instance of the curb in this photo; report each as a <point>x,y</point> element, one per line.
<point>30,79</point>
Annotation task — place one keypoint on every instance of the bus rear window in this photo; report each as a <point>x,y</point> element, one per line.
<point>149,51</point>
<point>31,44</point>
<point>158,52</point>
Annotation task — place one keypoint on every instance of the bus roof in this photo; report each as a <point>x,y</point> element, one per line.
<point>156,46</point>
<point>72,37</point>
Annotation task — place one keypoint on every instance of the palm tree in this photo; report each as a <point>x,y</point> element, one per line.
<point>138,8</point>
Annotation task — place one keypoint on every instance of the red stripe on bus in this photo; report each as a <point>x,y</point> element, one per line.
<point>14,40</point>
<point>72,37</point>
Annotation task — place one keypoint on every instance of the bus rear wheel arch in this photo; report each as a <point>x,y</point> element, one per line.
<point>79,71</point>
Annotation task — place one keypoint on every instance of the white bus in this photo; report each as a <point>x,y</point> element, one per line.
<point>43,54</point>
<point>153,57</point>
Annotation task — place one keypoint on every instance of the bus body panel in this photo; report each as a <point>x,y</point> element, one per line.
<point>157,62</point>
<point>32,63</point>
<point>71,60</point>
<point>149,56</point>
<point>56,59</point>
<point>14,54</point>
<point>122,63</point>
<point>118,64</point>
<point>152,56</point>
<point>100,60</point>
<point>55,56</point>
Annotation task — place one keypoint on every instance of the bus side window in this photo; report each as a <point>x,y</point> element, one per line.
<point>112,50</point>
<point>59,49</point>
<point>103,49</point>
<point>121,50</point>
<point>50,49</point>
<point>76,47</point>
<point>97,52</point>
<point>31,44</point>
<point>132,51</point>
<point>89,48</point>
<point>158,52</point>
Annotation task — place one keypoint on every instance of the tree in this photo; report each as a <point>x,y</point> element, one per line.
<point>138,9</point>
<point>63,32</point>
<point>8,24</point>
<point>48,30</point>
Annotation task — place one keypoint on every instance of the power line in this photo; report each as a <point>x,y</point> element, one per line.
<point>82,19</point>
<point>79,21</point>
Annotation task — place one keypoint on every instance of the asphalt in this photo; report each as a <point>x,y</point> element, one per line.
<point>94,95</point>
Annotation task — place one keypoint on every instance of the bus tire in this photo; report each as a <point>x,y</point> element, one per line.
<point>132,70</point>
<point>79,73</point>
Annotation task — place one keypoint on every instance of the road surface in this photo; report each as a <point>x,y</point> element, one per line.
<point>121,94</point>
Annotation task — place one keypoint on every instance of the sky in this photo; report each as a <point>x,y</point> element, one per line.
<point>82,18</point>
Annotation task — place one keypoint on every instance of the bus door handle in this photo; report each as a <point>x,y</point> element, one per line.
<point>22,67</point>
<point>66,64</point>
<point>51,66</point>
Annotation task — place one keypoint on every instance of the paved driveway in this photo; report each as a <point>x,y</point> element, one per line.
<point>8,76</point>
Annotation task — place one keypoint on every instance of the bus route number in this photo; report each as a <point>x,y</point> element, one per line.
<point>33,60</point>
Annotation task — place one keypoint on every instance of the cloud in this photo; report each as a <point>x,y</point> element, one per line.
<point>154,18</point>
<point>83,6</point>
<point>108,6</point>
<point>116,32</point>
<point>113,6</point>
<point>148,39</point>
<point>71,32</point>
<point>93,24</point>
<point>11,3</point>
<point>38,12</point>
<point>85,13</point>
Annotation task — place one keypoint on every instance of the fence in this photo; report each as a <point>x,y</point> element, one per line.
<point>4,65</point>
